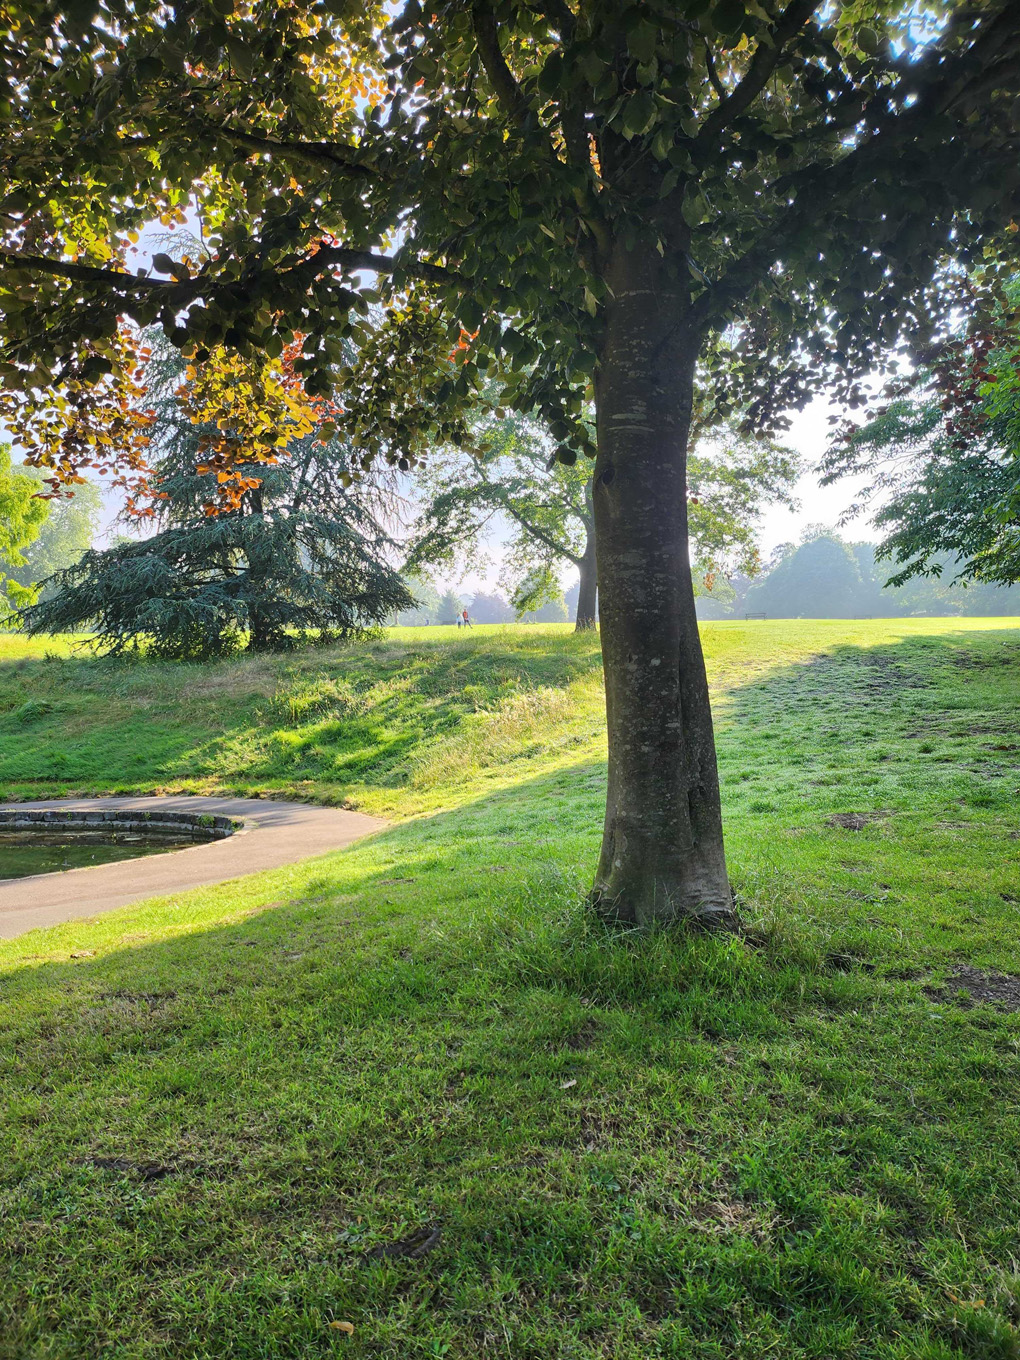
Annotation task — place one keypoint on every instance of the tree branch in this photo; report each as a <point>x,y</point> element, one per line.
<point>519,109</point>
<point>349,258</point>
<point>333,154</point>
<point>184,291</point>
<point>501,494</point>
<point>575,137</point>
<point>820,187</point>
<point>176,290</point>
<point>538,533</point>
<point>501,78</point>
<point>713,74</point>
<point>561,15</point>
<point>765,60</point>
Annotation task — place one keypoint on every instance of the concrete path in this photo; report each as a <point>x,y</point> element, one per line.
<point>274,834</point>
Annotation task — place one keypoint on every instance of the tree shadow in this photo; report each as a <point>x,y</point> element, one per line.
<point>337,716</point>
<point>625,1142</point>
<point>856,718</point>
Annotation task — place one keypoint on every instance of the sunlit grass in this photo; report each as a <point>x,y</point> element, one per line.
<point>222,1109</point>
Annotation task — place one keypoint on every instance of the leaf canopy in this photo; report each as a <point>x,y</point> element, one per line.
<point>814,176</point>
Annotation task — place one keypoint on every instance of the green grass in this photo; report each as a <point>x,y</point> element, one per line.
<point>392,725</point>
<point>795,1143</point>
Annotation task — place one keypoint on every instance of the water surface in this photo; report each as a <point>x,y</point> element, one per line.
<point>22,856</point>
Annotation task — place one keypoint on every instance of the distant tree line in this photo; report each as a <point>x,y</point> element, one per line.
<point>826,577</point>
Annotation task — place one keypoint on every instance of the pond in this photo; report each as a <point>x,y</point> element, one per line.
<point>21,856</point>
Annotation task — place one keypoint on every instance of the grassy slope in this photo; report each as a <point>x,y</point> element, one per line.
<point>391,726</point>
<point>793,1145</point>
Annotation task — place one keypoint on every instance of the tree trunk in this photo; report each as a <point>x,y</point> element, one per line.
<point>662,854</point>
<point>587,590</point>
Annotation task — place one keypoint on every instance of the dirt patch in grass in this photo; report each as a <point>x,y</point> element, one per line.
<point>854,821</point>
<point>726,1215</point>
<point>990,989</point>
<point>847,963</point>
<point>412,1248</point>
<point>584,1038</point>
<point>145,1171</point>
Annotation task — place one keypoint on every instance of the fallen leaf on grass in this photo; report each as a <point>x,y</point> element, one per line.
<point>346,1327</point>
<point>83,954</point>
<point>566,1085</point>
<point>966,1303</point>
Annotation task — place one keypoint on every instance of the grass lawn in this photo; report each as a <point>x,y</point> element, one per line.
<point>407,1100</point>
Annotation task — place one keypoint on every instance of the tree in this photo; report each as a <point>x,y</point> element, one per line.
<point>822,579</point>
<point>66,535</point>
<point>944,457</point>
<point>549,505</point>
<point>486,608</point>
<point>22,516</point>
<point>552,610</point>
<point>512,470</point>
<point>826,578</point>
<point>292,550</point>
<point>590,198</point>
<point>264,573</point>
<point>425,608</point>
<point>450,607</point>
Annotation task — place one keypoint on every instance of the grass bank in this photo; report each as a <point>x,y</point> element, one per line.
<point>395,725</point>
<point>412,1090</point>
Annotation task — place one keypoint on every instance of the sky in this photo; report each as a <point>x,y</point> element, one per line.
<point>819,504</point>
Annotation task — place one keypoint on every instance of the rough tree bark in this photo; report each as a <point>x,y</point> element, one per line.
<point>662,851</point>
<point>587,589</point>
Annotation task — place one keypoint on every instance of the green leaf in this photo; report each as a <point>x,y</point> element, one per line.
<point>639,115</point>
<point>728,16</point>
<point>242,59</point>
<point>642,40</point>
<point>551,76</point>
<point>163,264</point>
<point>693,210</point>
<point>592,67</point>
<point>470,313</point>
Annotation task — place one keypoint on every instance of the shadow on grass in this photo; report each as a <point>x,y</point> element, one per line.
<point>937,711</point>
<point>338,715</point>
<point>631,1146</point>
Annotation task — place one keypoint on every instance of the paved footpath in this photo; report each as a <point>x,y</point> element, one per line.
<point>274,833</point>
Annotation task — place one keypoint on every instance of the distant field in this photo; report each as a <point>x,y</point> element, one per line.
<point>229,1113</point>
